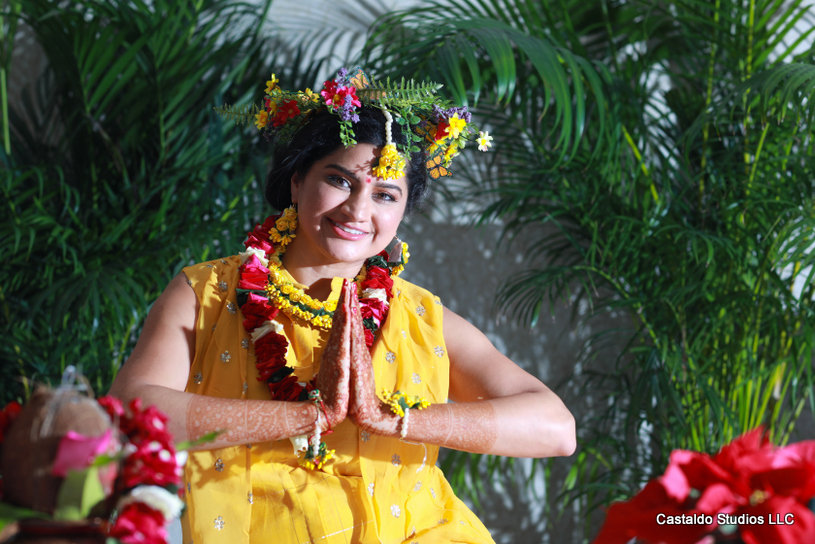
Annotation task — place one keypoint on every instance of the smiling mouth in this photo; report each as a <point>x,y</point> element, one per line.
<point>349,230</point>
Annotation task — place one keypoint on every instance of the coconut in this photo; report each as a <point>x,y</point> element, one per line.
<point>31,444</point>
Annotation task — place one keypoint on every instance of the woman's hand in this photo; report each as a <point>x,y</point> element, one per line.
<point>365,409</point>
<point>334,376</point>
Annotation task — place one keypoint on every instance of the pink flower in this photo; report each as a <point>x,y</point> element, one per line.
<point>76,451</point>
<point>253,274</point>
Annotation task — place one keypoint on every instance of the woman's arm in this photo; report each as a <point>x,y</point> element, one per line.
<point>499,408</point>
<point>158,371</point>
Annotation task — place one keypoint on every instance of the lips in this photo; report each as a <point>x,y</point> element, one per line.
<point>344,231</point>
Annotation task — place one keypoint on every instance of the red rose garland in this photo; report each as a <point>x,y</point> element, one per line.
<point>259,310</point>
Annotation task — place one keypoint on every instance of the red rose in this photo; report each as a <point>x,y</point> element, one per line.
<point>255,239</point>
<point>256,310</point>
<point>145,425</point>
<point>139,524</point>
<point>153,463</point>
<point>369,338</point>
<point>378,278</point>
<point>270,352</point>
<point>286,389</point>
<point>7,415</point>
<point>375,309</point>
<point>253,274</point>
<point>112,406</point>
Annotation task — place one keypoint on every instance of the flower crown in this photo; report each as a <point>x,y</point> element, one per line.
<point>442,129</point>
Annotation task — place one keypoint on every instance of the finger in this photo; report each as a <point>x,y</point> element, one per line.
<point>337,353</point>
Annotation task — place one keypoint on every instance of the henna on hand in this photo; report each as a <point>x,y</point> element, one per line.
<point>365,409</point>
<point>248,421</point>
<point>334,375</point>
<point>468,426</point>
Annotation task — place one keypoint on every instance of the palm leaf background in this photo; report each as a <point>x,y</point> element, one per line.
<point>664,150</point>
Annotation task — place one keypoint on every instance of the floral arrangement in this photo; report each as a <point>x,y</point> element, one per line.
<point>443,130</point>
<point>750,492</point>
<point>125,480</point>
<point>263,293</point>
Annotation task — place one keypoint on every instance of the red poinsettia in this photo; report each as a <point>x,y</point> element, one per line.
<point>750,487</point>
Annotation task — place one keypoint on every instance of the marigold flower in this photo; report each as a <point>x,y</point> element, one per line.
<point>261,119</point>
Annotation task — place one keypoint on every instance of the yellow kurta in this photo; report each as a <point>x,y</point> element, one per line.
<point>375,489</point>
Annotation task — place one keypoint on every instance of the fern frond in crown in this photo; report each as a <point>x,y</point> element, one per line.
<point>241,115</point>
<point>399,95</point>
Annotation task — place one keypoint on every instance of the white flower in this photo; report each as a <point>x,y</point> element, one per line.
<point>254,251</point>
<point>157,498</point>
<point>181,458</point>
<point>266,328</point>
<point>484,141</point>
<point>300,443</point>
<point>375,293</point>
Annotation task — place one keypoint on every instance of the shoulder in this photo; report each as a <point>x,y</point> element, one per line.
<point>217,275</point>
<point>403,289</point>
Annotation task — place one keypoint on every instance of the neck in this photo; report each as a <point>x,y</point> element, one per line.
<point>309,270</point>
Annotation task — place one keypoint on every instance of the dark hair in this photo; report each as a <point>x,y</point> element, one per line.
<point>320,137</point>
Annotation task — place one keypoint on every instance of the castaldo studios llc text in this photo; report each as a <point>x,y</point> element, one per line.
<point>727,519</point>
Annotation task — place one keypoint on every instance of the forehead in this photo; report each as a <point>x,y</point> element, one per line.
<point>358,161</point>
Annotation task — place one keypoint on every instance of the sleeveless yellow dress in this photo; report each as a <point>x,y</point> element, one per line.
<point>375,490</point>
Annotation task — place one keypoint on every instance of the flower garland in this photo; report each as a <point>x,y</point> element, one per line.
<point>429,122</point>
<point>263,292</point>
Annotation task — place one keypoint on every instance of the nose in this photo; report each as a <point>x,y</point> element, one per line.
<point>358,205</point>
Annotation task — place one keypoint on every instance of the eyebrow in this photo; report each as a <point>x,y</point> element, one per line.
<point>353,176</point>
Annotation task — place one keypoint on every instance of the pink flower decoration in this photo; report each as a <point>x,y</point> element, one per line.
<point>77,451</point>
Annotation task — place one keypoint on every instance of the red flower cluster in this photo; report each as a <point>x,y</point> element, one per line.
<point>139,524</point>
<point>750,485</point>
<point>152,460</point>
<point>286,110</point>
<point>7,415</point>
<point>335,95</point>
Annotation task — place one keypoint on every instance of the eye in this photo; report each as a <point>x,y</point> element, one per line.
<point>339,181</point>
<point>384,196</point>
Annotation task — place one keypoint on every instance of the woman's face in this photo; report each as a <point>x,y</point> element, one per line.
<point>345,213</point>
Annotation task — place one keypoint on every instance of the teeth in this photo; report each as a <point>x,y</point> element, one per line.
<point>348,230</point>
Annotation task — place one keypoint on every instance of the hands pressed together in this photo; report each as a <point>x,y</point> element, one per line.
<point>346,377</point>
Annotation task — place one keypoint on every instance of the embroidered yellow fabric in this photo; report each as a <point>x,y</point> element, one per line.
<point>375,489</point>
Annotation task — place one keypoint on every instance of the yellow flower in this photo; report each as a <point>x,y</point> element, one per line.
<point>261,119</point>
<point>287,289</point>
<point>282,224</point>
<point>330,305</point>
<point>275,236</point>
<point>456,126</point>
<point>451,152</point>
<point>271,85</point>
<point>484,141</point>
<point>289,214</point>
<point>295,297</point>
<point>286,239</point>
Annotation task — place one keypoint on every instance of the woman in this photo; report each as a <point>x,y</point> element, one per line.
<point>251,345</point>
